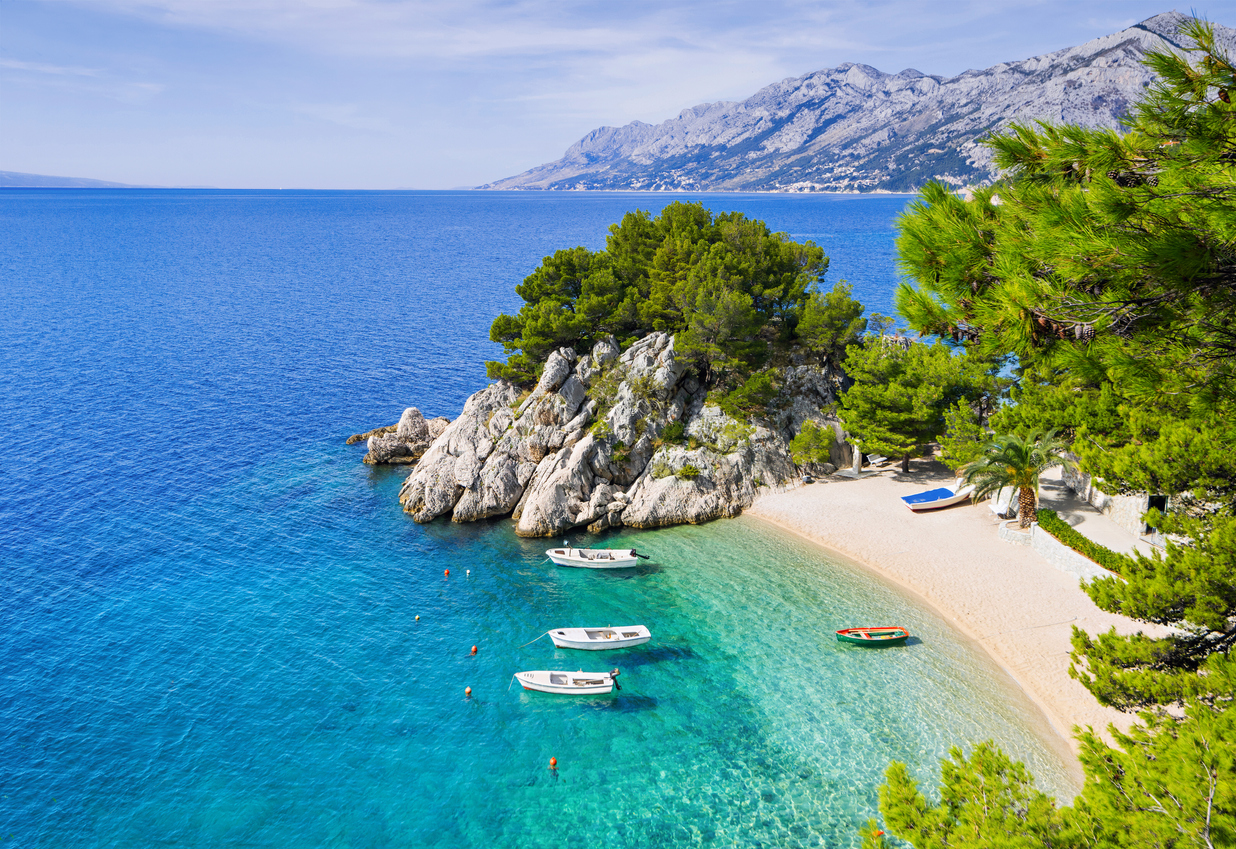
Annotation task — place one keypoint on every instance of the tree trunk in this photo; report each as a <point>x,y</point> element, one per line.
<point>905,464</point>
<point>1025,506</point>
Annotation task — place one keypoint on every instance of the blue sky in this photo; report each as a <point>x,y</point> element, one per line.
<point>379,94</point>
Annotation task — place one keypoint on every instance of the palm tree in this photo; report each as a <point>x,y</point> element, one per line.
<point>1012,460</point>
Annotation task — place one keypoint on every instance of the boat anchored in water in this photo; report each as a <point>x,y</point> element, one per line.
<point>595,558</point>
<point>569,683</point>
<point>597,639</point>
<point>890,635</point>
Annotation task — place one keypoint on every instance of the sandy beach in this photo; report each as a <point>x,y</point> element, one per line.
<point>1006,597</point>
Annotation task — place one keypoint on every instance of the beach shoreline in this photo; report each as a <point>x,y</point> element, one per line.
<point>1013,604</point>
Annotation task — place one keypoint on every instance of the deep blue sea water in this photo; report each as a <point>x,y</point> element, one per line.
<point>207,603</point>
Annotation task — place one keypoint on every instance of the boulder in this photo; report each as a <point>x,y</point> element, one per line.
<point>412,426</point>
<point>404,442</point>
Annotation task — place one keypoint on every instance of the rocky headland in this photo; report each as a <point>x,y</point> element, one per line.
<point>606,439</point>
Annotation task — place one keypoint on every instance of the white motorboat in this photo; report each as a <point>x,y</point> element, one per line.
<point>933,499</point>
<point>596,639</point>
<point>569,683</point>
<point>595,558</point>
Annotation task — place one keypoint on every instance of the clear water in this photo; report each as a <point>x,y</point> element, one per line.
<point>208,603</point>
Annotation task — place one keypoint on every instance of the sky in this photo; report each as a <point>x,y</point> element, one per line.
<point>386,94</point>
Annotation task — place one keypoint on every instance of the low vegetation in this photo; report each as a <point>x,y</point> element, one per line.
<point>1051,522</point>
<point>812,444</point>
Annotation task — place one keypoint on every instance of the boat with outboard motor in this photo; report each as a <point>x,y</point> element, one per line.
<point>595,558</point>
<point>596,639</point>
<point>569,683</point>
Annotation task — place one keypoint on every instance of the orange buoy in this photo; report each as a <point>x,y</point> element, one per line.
<point>474,649</point>
<point>467,691</point>
<point>447,572</point>
<point>553,763</point>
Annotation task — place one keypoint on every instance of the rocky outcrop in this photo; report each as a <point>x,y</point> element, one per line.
<point>588,446</point>
<point>855,128</point>
<point>401,443</point>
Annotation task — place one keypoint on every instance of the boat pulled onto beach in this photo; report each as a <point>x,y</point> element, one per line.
<point>599,639</point>
<point>595,558</point>
<point>890,635</point>
<point>569,683</point>
<point>934,499</point>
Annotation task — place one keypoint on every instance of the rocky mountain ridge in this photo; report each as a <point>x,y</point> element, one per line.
<point>855,128</point>
<point>592,445</point>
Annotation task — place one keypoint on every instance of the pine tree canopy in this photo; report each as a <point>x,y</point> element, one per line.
<point>731,286</point>
<point>1106,263</point>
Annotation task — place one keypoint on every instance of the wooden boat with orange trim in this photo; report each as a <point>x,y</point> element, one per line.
<point>885,636</point>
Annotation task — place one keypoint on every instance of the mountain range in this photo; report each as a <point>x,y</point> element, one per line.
<point>855,128</point>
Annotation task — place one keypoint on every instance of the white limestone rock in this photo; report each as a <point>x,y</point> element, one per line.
<point>552,466</point>
<point>434,487</point>
<point>412,426</point>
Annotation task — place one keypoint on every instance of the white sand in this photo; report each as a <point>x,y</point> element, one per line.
<point>1006,597</point>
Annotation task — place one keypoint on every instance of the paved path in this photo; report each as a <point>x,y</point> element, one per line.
<point>1089,522</point>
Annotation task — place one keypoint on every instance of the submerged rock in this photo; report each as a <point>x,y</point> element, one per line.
<point>585,447</point>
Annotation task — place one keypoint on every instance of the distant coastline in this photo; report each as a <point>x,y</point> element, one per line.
<point>22,180</point>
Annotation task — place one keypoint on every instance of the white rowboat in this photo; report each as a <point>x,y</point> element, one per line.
<point>934,499</point>
<point>569,683</point>
<point>594,558</point>
<point>596,639</point>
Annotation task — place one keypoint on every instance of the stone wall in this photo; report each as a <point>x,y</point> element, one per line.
<point>1064,558</point>
<point>1125,510</point>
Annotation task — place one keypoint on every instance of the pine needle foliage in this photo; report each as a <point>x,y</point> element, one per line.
<point>1106,263</point>
<point>902,391</point>
<point>726,284</point>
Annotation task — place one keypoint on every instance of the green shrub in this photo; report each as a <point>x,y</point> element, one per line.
<point>753,397</point>
<point>734,433</point>
<point>812,444</point>
<point>621,453</point>
<point>643,387</point>
<point>603,389</point>
<point>600,428</point>
<point>1061,530</point>
<point>674,433</point>
<point>689,472</point>
<point>661,469</point>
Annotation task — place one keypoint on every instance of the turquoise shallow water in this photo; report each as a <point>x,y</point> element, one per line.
<point>208,606</point>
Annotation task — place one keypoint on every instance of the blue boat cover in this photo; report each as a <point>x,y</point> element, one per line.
<point>932,495</point>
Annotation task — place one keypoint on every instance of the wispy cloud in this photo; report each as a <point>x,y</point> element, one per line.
<point>92,81</point>
<point>43,68</point>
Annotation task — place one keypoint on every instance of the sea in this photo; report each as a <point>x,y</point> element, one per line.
<point>219,629</point>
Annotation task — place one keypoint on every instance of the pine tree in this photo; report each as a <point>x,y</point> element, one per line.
<point>900,394</point>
